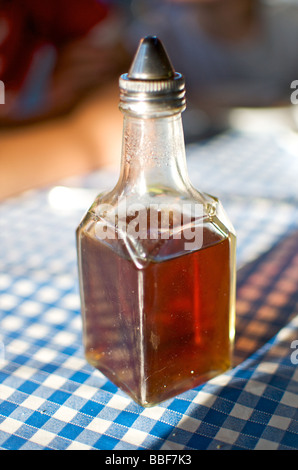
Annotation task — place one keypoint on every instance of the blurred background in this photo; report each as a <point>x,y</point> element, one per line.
<point>60,62</point>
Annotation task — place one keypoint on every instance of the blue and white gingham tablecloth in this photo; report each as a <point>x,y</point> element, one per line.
<point>50,398</point>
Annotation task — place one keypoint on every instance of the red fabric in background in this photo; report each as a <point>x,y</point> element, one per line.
<point>31,24</point>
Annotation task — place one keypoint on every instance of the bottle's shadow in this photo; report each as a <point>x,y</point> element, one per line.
<point>267,293</point>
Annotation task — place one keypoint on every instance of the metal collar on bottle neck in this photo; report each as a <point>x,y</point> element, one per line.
<point>151,88</point>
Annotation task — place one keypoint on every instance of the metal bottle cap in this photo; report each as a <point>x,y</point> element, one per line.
<point>151,87</point>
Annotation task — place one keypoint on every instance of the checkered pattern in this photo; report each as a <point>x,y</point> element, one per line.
<point>267,296</point>
<point>50,398</point>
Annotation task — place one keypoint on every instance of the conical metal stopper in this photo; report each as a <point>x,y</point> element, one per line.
<point>151,87</point>
<point>151,61</point>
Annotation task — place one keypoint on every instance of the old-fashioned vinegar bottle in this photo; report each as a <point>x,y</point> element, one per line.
<point>156,257</point>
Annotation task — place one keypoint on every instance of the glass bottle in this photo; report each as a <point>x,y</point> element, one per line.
<point>156,257</point>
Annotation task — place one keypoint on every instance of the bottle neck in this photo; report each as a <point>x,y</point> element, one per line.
<point>153,156</point>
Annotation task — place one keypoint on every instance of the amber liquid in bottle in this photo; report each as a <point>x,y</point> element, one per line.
<point>162,329</point>
<point>158,315</point>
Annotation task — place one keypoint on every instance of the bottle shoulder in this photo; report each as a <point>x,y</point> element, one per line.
<point>156,198</point>
<point>156,227</point>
